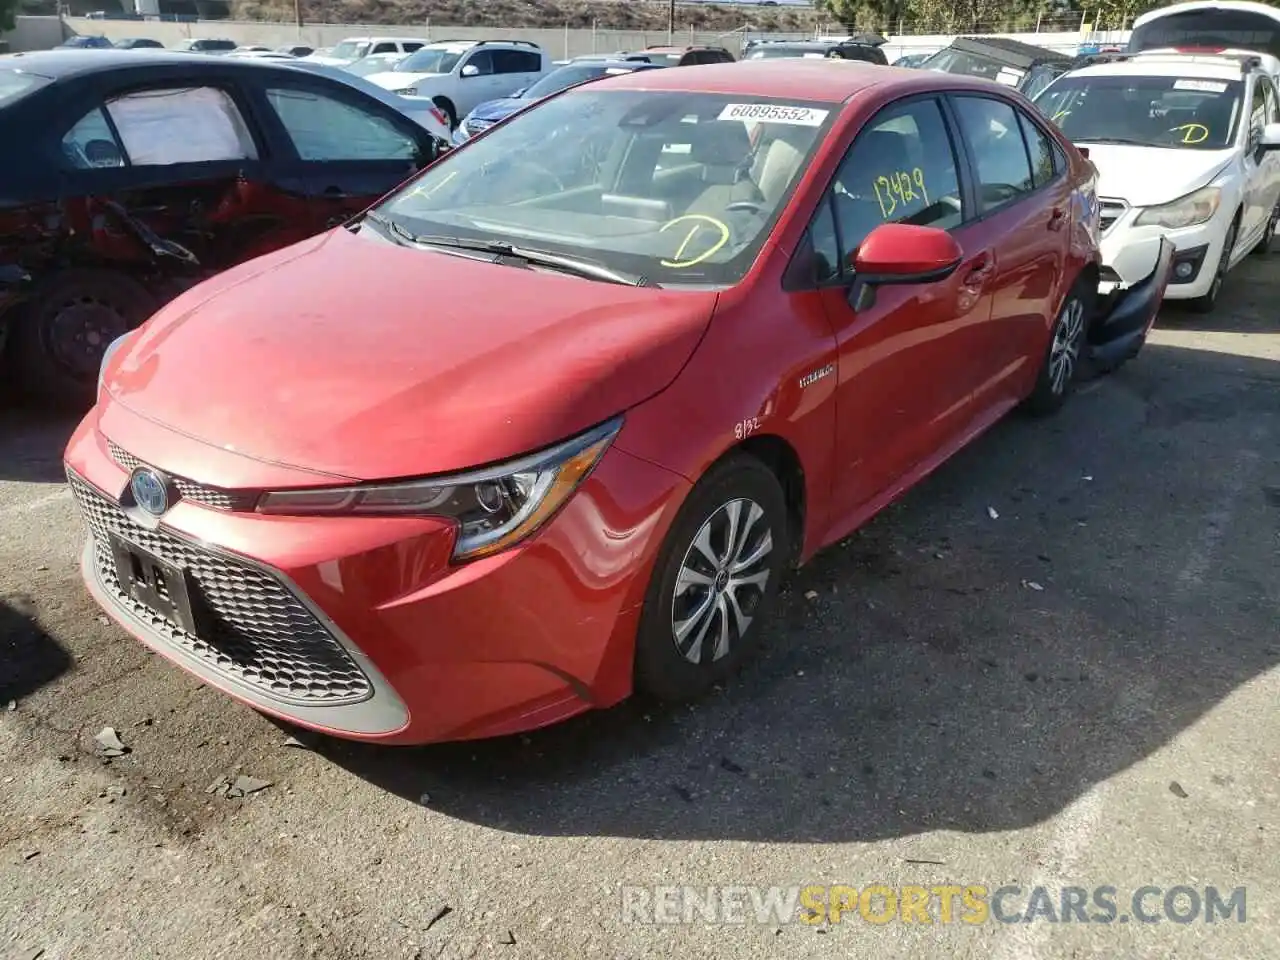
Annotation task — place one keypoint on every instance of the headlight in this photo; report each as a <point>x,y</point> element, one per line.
<point>108,353</point>
<point>407,92</point>
<point>494,508</point>
<point>1187,211</point>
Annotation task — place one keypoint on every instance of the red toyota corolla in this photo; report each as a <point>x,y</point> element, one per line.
<point>551,422</point>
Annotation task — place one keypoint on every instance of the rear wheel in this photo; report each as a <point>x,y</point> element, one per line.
<point>715,581</point>
<point>59,342</point>
<point>1206,303</point>
<point>1062,359</point>
<point>449,110</point>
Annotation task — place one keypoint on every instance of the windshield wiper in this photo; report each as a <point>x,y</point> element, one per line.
<point>397,233</point>
<point>540,258</point>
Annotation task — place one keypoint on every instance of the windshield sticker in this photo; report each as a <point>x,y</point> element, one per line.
<point>1204,86</point>
<point>1193,133</point>
<point>898,188</point>
<point>1008,77</point>
<point>771,113</point>
<point>708,227</point>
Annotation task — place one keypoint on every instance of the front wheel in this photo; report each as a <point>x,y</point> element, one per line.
<point>1061,363</point>
<point>714,582</point>
<point>1263,247</point>
<point>1206,303</point>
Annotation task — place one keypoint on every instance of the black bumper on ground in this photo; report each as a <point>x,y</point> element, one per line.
<point>1124,317</point>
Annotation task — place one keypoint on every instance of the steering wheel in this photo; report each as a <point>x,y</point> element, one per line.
<point>747,206</point>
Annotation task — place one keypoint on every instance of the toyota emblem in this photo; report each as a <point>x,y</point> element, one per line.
<point>150,491</point>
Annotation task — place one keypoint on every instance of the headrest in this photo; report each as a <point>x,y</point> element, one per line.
<point>720,143</point>
<point>885,149</point>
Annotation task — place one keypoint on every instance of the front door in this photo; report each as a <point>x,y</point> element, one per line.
<point>904,384</point>
<point>351,148</point>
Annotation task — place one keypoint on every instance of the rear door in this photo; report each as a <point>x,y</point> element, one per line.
<point>176,172</point>
<point>904,381</point>
<point>1023,207</point>
<point>349,148</point>
<point>516,69</point>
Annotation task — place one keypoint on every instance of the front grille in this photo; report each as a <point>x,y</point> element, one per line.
<point>215,497</point>
<point>253,628</point>
<point>1112,210</point>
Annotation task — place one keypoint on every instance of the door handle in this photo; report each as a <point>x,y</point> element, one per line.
<point>979,271</point>
<point>1057,218</point>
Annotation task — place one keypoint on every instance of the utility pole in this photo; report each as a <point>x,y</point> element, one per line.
<point>297,15</point>
<point>671,23</point>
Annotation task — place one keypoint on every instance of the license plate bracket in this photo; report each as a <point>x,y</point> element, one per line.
<point>156,584</point>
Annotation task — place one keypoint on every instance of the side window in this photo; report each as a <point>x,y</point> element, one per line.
<point>1273,108</point>
<point>91,144</point>
<point>483,62</point>
<point>191,125</point>
<point>900,169</point>
<point>516,61</point>
<point>383,48</point>
<point>826,245</point>
<point>1257,110</point>
<point>324,128</point>
<point>412,46</point>
<point>995,140</point>
<point>1040,150</point>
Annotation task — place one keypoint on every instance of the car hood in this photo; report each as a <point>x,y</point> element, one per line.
<point>1148,176</point>
<point>495,110</point>
<point>395,80</point>
<point>350,356</point>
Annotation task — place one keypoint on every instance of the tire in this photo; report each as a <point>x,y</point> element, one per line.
<point>1064,356</point>
<point>450,111</point>
<point>1263,246</point>
<point>58,343</point>
<point>678,651</point>
<point>1206,303</point>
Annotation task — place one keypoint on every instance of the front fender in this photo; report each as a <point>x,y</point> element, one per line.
<point>1124,317</point>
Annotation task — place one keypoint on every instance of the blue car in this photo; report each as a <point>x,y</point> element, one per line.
<point>489,113</point>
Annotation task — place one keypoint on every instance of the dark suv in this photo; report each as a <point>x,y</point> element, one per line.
<point>865,48</point>
<point>682,56</point>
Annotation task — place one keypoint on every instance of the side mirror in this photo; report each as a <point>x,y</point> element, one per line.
<point>1270,139</point>
<point>901,253</point>
<point>471,70</point>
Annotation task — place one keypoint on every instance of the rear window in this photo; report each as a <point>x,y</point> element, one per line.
<point>15,84</point>
<point>1241,29</point>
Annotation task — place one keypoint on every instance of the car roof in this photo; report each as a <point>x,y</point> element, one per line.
<point>797,78</point>
<point>59,63</point>
<point>1167,65</point>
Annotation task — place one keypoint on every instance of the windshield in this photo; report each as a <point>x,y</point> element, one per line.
<point>15,84</point>
<point>557,80</point>
<point>677,187</point>
<point>378,63</point>
<point>1181,113</point>
<point>1241,29</point>
<point>350,50</point>
<point>430,60</point>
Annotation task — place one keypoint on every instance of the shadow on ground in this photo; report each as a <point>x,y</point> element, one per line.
<point>31,444</point>
<point>916,678</point>
<point>29,658</point>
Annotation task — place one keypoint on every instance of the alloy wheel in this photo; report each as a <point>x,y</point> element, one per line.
<point>721,582</point>
<point>1065,351</point>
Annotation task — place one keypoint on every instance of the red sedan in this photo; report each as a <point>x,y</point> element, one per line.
<point>551,422</point>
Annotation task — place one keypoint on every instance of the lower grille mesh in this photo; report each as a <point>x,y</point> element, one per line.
<point>258,632</point>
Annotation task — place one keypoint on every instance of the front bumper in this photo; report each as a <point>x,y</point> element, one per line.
<point>1125,316</point>
<point>361,627</point>
<point>1130,253</point>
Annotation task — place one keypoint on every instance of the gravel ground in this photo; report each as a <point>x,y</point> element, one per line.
<point>1079,691</point>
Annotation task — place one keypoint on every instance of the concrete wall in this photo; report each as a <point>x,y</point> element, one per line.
<point>34,33</point>
<point>559,43</point>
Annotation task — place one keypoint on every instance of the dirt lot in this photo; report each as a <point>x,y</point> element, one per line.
<point>924,715</point>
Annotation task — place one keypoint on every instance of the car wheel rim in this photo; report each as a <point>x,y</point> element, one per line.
<point>1066,345</point>
<point>78,334</point>
<point>722,580</point>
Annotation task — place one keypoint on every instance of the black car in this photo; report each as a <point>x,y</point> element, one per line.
<point>863,47</point>
<point>1024,66</point>
<point>138,43</point>
<point>128,179</point>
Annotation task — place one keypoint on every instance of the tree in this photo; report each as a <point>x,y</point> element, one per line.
<point>857,15</point>
<point>8,14</point>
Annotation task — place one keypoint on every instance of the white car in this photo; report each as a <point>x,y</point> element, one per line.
<point>357,48</point>
<point>459,75</point>
<point>418,109</point>
<point>1186,147</point>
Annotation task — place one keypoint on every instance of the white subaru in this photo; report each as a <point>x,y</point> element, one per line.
<point>1186,147</point>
